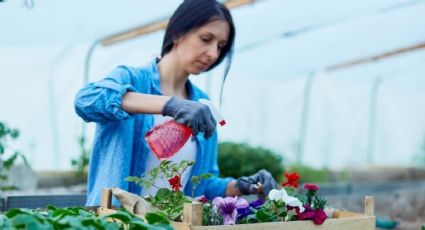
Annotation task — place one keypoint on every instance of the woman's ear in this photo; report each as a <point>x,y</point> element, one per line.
<point>178,40</point>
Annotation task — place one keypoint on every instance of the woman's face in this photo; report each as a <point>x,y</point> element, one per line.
<point>200,48</point>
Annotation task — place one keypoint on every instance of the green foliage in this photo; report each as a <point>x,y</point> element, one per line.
<point>81,164</point>
<point>167,200</point>
<point>78,218</point>
<point>238,159</point>
<point>8,134</point>
<point>211,216</point>
<point>319,202</point>
<point>196,180</point>
<point>166,170</point>
<point>271,211</point>
<point>171,202</point>
<point>310,175</point>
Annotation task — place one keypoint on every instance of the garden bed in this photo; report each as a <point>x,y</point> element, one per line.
<point>192,219</point>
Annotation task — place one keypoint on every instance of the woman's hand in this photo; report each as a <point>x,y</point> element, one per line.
<point>191,113</point>
<point>260,183</point>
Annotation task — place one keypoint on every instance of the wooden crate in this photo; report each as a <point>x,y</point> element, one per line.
<point>192,219</point>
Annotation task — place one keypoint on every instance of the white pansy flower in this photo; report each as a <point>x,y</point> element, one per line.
<point>282,195</point>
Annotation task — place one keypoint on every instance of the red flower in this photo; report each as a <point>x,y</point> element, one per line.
<point>202,199</point>
<point>311,187</point>
<point>175,183</point>
<point>318,216</point>
<point>292,180</point>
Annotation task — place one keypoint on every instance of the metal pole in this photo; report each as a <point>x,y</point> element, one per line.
<point>373,109</point>
<point>304,117</point>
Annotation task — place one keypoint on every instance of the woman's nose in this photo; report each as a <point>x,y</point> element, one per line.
<point>212,52</point>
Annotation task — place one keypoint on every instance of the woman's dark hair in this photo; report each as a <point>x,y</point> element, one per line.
<point>193,14</point>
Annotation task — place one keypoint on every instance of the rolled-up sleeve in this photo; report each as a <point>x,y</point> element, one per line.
<point>101,101</point>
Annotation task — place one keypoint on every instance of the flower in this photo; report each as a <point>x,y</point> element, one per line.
<point>245,211</point>
<point>311,187</point>
<point>202,199</point>
<point>277,195</point>
<point>175,183</point>
<point>292,180</point>
<point>228,207</point>
<point>311,192</point>
<point>257,203</point>
<point>318,216</point>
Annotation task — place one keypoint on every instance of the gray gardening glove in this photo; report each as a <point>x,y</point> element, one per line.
<point>191,113</point>
<point>260,183</point>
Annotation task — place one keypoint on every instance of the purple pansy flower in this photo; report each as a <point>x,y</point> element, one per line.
<point>228,207</point>
<point>244,212</point>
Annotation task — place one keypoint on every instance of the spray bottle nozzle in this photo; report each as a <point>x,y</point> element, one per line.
<point>217,116</point>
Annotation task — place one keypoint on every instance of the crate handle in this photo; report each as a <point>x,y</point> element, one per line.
<point>369,206</point>
<point>106,198</point>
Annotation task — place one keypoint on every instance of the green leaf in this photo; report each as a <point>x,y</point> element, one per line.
<point>14,133</point>
<point>195,179</point>
<point>319,203</point>
<point>263,216</point>
<point>5,223</point>
<point>3,177</point>
<point>28,222</point>
<point>24,159</point>
<point>51,207</point>
<point>205,176</point>
<point>74,222</point>
<point>163,192</point>
<point>139,226</point>
<point>157,218</point>
<point>99,223</point>
<point>154,173</point>
<point>122,216</point>
<point>60,213</point>
<point>132,179</point>
<point>14,212</point>
<point>9,162</point>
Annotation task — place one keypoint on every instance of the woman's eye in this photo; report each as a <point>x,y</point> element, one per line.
<point>204,39</point>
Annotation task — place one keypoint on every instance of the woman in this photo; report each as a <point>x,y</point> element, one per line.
<point>129,101</point>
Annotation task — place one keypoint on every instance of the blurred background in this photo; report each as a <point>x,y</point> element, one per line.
<point>334,90</point>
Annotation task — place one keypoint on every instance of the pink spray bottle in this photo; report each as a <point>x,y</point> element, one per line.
<point>168,138</point>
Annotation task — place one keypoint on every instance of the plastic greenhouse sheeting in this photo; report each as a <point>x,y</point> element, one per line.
<point>279,45</point>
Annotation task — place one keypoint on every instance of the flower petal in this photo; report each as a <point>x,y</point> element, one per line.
<point>241,203</point>
<point>230,200</point>
<point>294,202</point>
<point>230,218</point>
<point>218,201</point>
<point>282,195</point>
<point>257,204</point>
<point>272,194</point>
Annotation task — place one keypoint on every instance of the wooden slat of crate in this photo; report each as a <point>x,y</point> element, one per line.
<point>192,219</point>
<point>360,223</point>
